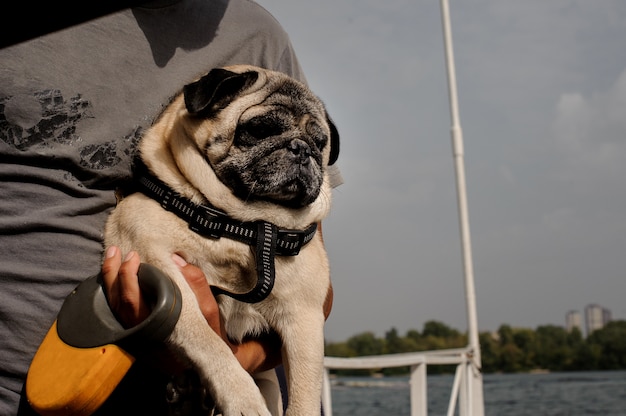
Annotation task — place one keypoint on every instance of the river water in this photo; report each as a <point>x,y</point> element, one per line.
<point>552,394</point>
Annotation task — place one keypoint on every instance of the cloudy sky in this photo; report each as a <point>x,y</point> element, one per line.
<point>542,95</point>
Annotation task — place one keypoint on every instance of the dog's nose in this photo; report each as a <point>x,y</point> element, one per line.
<point>301,150</point>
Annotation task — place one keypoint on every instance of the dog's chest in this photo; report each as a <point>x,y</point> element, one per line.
<point>226,263</point>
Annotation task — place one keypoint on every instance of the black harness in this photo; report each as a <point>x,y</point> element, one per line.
<point>266,238</point>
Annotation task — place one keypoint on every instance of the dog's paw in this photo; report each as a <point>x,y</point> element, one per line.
<point>243,403</point>
<point>243,400</point>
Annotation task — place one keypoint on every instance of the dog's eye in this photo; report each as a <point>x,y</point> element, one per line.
<point>264,127</point>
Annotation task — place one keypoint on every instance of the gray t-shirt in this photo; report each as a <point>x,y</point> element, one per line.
<point>72,105</point>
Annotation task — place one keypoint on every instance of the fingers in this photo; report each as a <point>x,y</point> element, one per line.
<point>110,266</point>
<point>197,282</point>
<point>124,296</point>
<point>122,288</point>
<point>253,354</point>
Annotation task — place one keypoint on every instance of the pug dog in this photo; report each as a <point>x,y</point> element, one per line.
<point>247,151</point>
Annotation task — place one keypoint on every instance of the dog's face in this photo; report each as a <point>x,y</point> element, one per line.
<point>266,136</point>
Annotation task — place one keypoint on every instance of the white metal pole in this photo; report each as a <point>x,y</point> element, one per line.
<point>327,405</point>
<point>458,151</point>
<point>419,390</point>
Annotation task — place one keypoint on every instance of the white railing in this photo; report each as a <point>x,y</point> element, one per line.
<point>466,388</point>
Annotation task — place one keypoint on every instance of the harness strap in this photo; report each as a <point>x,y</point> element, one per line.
<point>265,248</point>
<point>266,238</point>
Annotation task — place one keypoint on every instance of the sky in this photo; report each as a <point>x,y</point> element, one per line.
<point>542,103</point>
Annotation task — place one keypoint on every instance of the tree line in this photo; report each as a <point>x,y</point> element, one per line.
<point>508,350</point>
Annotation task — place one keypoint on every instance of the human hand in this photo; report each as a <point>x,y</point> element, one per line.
<point>254,354</point>
<point>125,299</point>
<point>122,287</point>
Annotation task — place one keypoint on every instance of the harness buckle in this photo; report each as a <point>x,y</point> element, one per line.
<point>290,242</point>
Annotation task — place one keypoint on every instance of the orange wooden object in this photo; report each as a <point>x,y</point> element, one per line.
<point>70,381</point>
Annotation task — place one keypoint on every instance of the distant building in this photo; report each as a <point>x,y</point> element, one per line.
<point>596,317</point>
<point>573,319</point>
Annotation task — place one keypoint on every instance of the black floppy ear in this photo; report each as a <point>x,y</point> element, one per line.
<point>334,141</point>
<point>215,90</point>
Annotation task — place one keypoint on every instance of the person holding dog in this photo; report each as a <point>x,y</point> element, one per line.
<point>73,104</point>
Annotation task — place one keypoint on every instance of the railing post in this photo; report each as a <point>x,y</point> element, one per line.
<point>456,386</point>
<point>327,405</point>
<point>464,394</point>
<point>419,397</point>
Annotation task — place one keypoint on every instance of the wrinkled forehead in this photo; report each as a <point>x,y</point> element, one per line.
<point>288,97</point>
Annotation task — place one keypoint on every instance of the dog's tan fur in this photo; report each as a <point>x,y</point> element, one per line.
<point>176,149</point>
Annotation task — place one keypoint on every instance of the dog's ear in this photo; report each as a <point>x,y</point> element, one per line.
<point>334,141</point>
<point>215,90</point>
